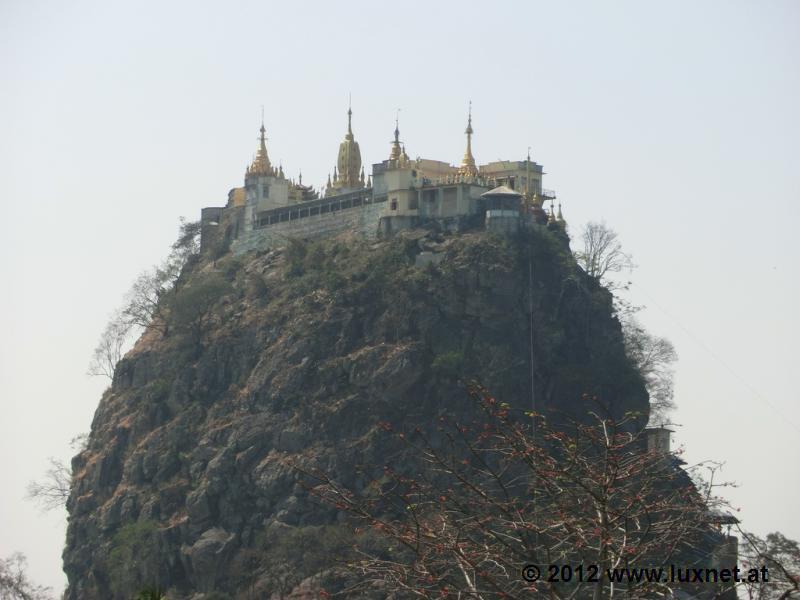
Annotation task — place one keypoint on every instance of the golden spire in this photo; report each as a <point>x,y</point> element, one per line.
<point>468,162</point>
<point>349,135</point>
<point>349,158</point>
<point>261,164</point>
<point>395,154</point>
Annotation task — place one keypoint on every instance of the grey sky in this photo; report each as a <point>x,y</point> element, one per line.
<point>675,122</point>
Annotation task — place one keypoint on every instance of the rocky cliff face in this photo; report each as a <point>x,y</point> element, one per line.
<point>302,353</point>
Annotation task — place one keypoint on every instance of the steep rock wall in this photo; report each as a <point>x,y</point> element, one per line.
<point>185,481</point>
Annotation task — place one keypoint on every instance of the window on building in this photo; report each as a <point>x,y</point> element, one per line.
<point>413,202</point>
<point>393,204</point>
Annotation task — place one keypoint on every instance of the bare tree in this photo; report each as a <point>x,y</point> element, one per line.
<point>188,242</point>
<point>653,357</point>
<point>781,556</point>
<point>143,305</point>
<point>111,346</point>
<point>493,495</point>
<point>14,582</point>
<point>184,250</point>
<point>52,491</point>
<point>142,302</point>
<point>80,442</point>
<point>602,253</point>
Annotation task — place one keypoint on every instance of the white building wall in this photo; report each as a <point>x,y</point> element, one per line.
<point>361,220</point>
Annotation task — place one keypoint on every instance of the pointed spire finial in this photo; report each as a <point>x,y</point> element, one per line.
<point>349,114</point>
<point>468,162</point>
<point>262,123</point>
<point>260,164</point>
<point>348,161</point>
<point>395,154</point>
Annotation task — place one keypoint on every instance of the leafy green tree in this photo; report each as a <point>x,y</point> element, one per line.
<point>135,558</point>
<point>192,306</point>
<point>151,593</point>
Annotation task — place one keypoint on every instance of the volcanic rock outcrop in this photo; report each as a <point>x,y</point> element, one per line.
<point>296,356</point>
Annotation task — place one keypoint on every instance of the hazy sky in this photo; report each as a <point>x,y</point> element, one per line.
<point>676,122</point>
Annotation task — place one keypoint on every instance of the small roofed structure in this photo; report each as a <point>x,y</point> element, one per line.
<point>720,517</point>
<point>502,206</point>
<point>658,439</point>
